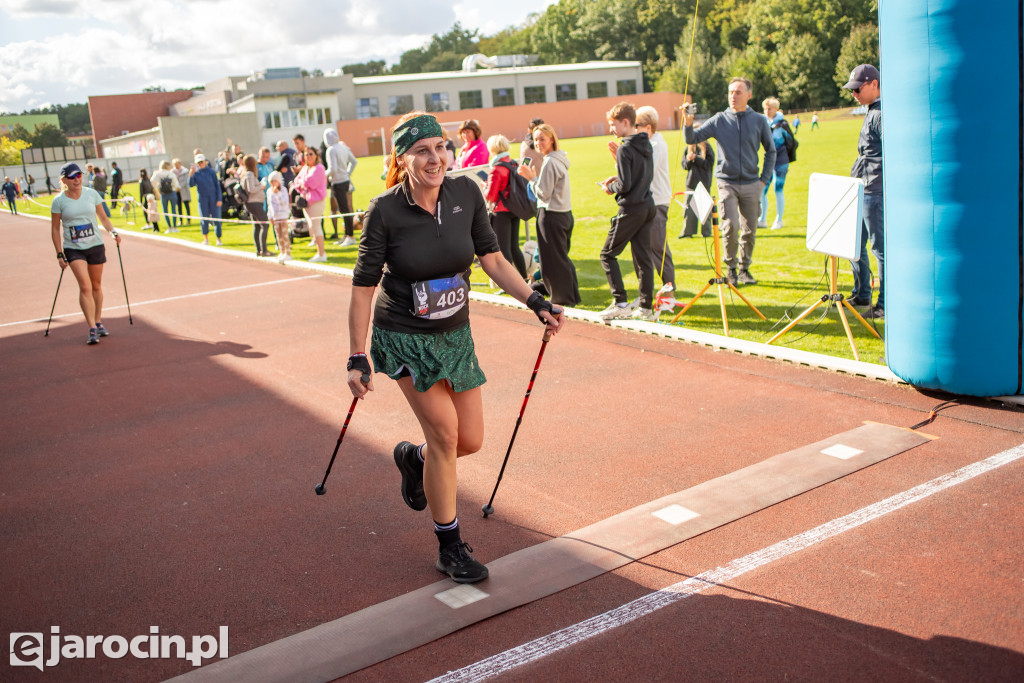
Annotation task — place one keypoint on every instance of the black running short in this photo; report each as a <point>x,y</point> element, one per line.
<point>94,256</point>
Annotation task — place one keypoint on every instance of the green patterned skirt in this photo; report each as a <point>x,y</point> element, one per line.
<point>428,358</point>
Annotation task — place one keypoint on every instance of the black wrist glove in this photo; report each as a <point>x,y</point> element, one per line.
<point>359,361</point>
<point>538,303</point>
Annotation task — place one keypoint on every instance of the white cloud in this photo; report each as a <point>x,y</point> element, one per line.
<point>66,51</point>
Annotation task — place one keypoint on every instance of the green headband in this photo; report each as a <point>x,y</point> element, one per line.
<point>406,135</point>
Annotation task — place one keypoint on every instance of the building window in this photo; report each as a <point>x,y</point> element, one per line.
<point>399,104</point>
<point>599,89</point>
<point>435,101</point>
<point>294,118</point>
<point>503,97</point>
<point>626,87</point>
<point>471,99</point>
<point>535,94</point>
<point>367,108</point>
<point>565,92</point>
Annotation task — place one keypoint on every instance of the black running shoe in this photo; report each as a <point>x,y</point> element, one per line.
<point>455,561</point>
<point>94,337</point>
<point>412,475</point>
<point>102,331</point>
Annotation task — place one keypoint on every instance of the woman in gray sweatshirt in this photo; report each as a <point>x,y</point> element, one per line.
<point>554,217</point>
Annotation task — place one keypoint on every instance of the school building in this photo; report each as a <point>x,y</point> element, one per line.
<point>276,104</point>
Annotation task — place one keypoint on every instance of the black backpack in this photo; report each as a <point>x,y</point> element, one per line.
<point>516,195</point>
<point>166,185</point>
<point>241,194</point>
<point>791,142</point>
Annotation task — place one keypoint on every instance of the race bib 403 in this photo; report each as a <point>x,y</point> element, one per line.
<point>441,298</point>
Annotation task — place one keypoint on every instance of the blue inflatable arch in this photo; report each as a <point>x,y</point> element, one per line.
<point>952,108</point>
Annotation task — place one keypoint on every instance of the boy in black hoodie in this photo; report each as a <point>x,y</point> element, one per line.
<point>634,164</point>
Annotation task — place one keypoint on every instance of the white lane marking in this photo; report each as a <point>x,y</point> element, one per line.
<point>171,298</point>
<point>572,635</point>
<point>842,452</point>
<point>676,514</point>
<point>460,596</point>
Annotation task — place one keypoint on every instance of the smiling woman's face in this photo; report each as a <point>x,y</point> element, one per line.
<point>425,163</point>
<point>542,142</point>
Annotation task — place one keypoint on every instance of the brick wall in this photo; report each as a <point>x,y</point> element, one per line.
<point>112,114</point>
<point>572,119</point>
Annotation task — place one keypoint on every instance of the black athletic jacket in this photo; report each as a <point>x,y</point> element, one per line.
<point>634,165</point>
<point>414,246</point>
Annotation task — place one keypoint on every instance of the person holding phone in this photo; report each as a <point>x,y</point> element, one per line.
<point>554,217</point>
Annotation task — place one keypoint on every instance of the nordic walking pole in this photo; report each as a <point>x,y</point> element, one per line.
<point>123,281</point>
<point>47,333</point>
<point>319,488</point>
<point>489,508</point>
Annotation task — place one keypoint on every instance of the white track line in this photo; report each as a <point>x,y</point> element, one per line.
<point>172,298</point>
<point>577,633</point>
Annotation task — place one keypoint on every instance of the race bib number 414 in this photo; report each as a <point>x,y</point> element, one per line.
<point>441,298</point>
<point>80,232</point>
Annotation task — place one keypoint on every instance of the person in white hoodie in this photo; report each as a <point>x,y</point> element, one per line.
<point>661,190</point>
<point>340,164</point>
<point>554,217</point>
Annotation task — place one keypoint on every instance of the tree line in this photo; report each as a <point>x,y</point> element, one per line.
<point>73,118</point>
<point>800,51</point>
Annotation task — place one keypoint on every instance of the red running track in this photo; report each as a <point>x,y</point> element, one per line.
<point>165,478</point>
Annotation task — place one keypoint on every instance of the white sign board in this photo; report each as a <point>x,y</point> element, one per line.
<point>477,173</point>
<point>835,205</point>
<point>701,203</point>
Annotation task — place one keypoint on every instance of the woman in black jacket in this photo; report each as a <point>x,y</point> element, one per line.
<point>699,162</point>
<point>145,186</point>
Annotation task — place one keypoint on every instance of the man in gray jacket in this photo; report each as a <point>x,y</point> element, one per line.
<point>739,131</point>
<point>340,164</point>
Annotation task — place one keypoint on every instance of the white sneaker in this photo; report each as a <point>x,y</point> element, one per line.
<point>777,225</point>
<point>348,242</point>
<point>284,257</point>
<point>616,312</point>
<point>312,243</point>
<point>318,259</point>
<point>632,305</point>
<point>219,243</point>
<point>762,224</point>
<point>645,314</point>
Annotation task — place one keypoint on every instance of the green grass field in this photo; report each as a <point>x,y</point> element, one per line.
<point>790,277</point>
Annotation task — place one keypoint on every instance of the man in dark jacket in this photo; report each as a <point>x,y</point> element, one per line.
<point>739,131</point>
<point>116,180</point>
<point>864,85</point>
<point>634,166</point>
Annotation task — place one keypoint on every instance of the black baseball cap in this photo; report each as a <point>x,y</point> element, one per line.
<point>70,168</point>
<point>863,73</point>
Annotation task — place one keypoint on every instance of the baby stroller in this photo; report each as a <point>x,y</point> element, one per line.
<point>299,228</point>
<point>232,205</point>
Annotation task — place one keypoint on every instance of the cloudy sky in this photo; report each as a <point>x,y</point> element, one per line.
<point>61,51</point>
